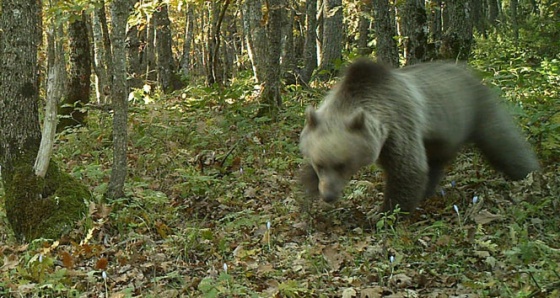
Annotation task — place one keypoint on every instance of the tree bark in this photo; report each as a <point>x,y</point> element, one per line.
<point>215,73</point>
<point>102,54</point>
<point>120,10</point>
<point>136,55</point>
<point>289,67</point>
<point>56,90</point>
<point>458,37</point>
<point>364,27</point>
<point>255,35</point>
<point>386,30</point>
<point>331,47</point>
<point>271,99</point>
<point>415,31</point>
<point>187,46</point>
<point>514,24</point>
<point>493,12</point>
<point>35,207</point>
<point>72,111</point>
<point>310,46</point>
<point>167,78</point>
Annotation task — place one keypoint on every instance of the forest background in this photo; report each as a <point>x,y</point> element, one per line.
<point>171,170</point>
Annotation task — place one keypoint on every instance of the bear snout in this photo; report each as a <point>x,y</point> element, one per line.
<point>329,197</point>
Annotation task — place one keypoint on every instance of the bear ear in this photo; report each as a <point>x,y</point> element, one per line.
<point>356,121</point>
<point>311,116</point>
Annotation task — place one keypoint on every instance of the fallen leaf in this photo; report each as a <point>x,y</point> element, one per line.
<point>375,292</point>
<point>333,258</point>
<point>484,217</point>
<point>349,293</point>
<point>401,281</point>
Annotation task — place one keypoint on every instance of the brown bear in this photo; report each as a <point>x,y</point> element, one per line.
<point>412,121</point>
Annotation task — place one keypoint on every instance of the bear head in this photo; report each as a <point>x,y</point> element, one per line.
<point>337,146</point>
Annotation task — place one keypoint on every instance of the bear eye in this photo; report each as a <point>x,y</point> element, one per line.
<point>339,167</point>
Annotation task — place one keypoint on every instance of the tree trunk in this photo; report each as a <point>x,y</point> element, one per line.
<point>289,66</point>
<point>56,90</point>
<point>120,10</point>
<point>271,99</point>
<point>514,24</point>
<point>167,78</point>
<point>35,207</point>
<point>255,35</point>
<point>72,111</point>
<point>310,46</point>
<point>479,17</point>
<point>136,54</point>
<point>364,27</point>
<point>149,59</point>
<point>458,37</point>
<point>414,25</point>
<point>386,30</point>
<point>189,37</point>
<point>102,54</point>
<point>331,47</point>
<point>493,12</point>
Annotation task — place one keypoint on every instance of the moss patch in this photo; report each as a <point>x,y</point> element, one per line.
<point>44,207</point>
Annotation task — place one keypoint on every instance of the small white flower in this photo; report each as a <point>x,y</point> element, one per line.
<point>225,267</point>
<point>474,199</point>
<point>104,274</point>
<point>41,258</point>
<point>456,209</point>
<point>392,259</point>
<point>241,170</point>
<point>268,225</point>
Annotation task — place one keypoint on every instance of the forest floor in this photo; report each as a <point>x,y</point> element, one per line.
<point>213,209</point>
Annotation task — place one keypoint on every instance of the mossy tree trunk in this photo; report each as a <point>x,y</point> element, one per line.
<point>35,207</point>
<point>72,111</point>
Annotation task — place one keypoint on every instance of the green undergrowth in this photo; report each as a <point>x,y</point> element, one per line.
<point>212,209</point>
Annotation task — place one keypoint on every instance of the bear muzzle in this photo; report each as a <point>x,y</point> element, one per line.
<point>329,195</point>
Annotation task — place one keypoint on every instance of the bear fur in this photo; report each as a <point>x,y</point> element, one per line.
<point>411,121</point>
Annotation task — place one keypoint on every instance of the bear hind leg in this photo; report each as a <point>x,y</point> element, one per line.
<point>503,145</point>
